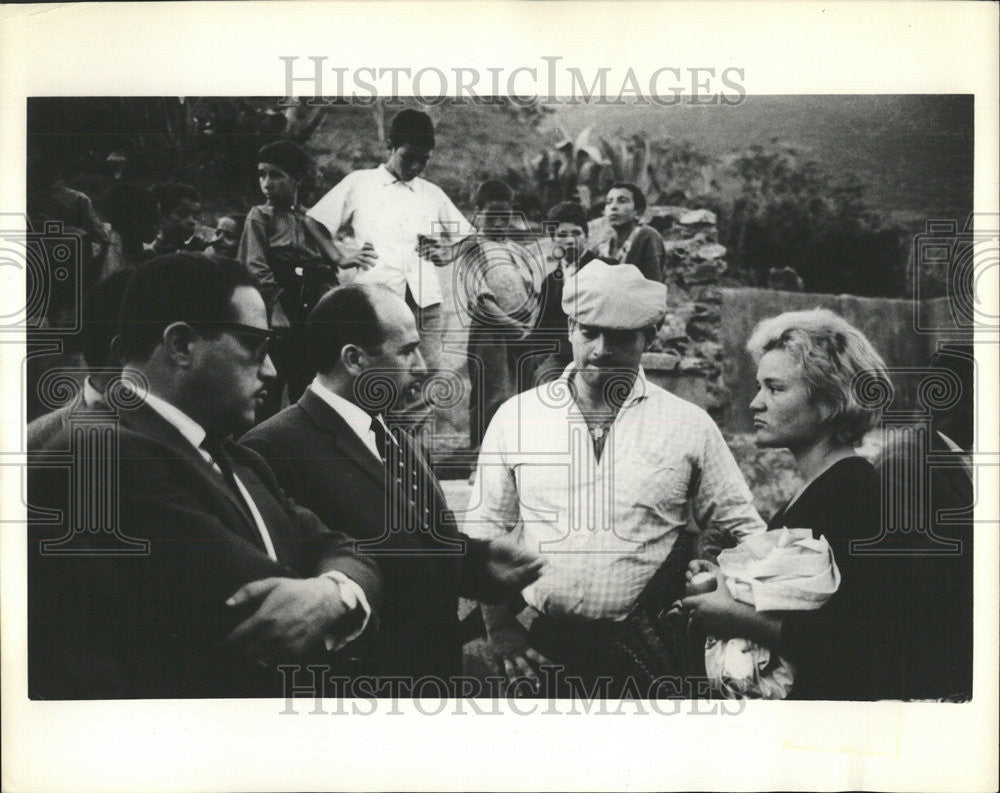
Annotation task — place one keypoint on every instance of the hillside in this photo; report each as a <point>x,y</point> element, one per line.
<point>913,153</point>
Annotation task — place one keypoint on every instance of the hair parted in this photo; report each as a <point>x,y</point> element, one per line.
<point>832,355</point>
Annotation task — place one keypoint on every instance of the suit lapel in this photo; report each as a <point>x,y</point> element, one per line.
<point>236,513</point>
<point>352,447</point>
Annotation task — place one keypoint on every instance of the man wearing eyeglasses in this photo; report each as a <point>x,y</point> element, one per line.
<point>235,579</point>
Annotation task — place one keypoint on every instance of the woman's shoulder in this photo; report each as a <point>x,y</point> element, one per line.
<point>844,498</point>
<point>853,469</point>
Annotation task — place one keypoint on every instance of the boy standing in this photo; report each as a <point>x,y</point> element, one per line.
<point>501,275</point>
<point>290,258</point>
<point>631,242</point>
<point>391,210</point>
<point>566,224</point>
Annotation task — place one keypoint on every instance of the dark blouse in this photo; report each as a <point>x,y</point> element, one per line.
<point>851,648</point>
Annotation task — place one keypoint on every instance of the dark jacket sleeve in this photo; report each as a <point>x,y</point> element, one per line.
<point>647,253</point>
<point>253,252</point>
<point>327,550</point>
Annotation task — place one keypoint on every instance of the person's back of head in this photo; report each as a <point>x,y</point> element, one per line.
<point>344,315</point>
<point>99,324</point>
<point>132,211</point>
<point>178,287</point>
<point>169,196</point>
<point>784,279</point>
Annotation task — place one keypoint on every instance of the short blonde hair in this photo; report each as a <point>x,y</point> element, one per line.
<point>833,356</point>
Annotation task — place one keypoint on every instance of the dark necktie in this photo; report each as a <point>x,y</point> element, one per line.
<point>214,447</point>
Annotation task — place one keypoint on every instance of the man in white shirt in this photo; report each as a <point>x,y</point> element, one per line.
<point>391,213</point>
<point>598,471</point>
<point>333,452</point>
<point>226,579</point>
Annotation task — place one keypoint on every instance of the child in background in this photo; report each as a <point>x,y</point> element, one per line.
<point>228,231</point>
<point>180,207</point>
<point>502,273</point>
<point>292,258</point>
<point>133,215</point>
<point>566,224</point>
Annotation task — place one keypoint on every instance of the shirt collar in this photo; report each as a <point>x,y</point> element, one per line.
<point>952,446</point>
<point>187,426</point>
<point>91,396</point>
<point>640,388</point>
<point>356,418</point>
<point>389,178</point>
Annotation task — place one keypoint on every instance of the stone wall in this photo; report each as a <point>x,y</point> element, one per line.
<point>898,329</point>
<point>698,353</point>
<point>686,356</point>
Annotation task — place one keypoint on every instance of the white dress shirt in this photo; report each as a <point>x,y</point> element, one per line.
<point>351,592</point>
<point>963,455</point>
<point>391,214</point>
<point>604,525</point>
<point>357,419</point>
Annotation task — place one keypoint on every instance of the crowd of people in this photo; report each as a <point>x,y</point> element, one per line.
<point>266,506</point>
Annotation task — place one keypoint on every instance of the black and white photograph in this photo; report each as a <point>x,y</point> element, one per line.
<point>375,397</point>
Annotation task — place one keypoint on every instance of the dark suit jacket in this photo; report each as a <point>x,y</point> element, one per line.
<point>150,624</point>
<point>940,587</point>
<point>322,463</point>
<point>43,429</point>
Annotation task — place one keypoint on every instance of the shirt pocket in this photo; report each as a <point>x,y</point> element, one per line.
<point>661,489</point>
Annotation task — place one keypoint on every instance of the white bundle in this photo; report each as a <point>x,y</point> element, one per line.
<point>780,570</point>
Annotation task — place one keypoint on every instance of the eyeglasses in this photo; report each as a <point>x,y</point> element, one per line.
<point>256,341</point>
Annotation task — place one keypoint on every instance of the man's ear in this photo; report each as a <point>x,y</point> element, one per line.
<point>178,339</point>
<point>650,334</point>
<point>116,351</point>
<point>350,357</point>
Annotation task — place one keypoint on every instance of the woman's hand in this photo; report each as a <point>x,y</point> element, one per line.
<point>718,612</point>
<point>696,573</point>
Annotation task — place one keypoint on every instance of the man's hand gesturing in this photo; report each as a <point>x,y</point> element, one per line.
<point>510,567</point>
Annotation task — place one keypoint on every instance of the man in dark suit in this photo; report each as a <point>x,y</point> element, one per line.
<point>99,322</point>
<point>333,452</point>
<point>235,578</point>
<point>939,532</point>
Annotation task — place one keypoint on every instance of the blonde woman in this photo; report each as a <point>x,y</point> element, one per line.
<point>813,371</point>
